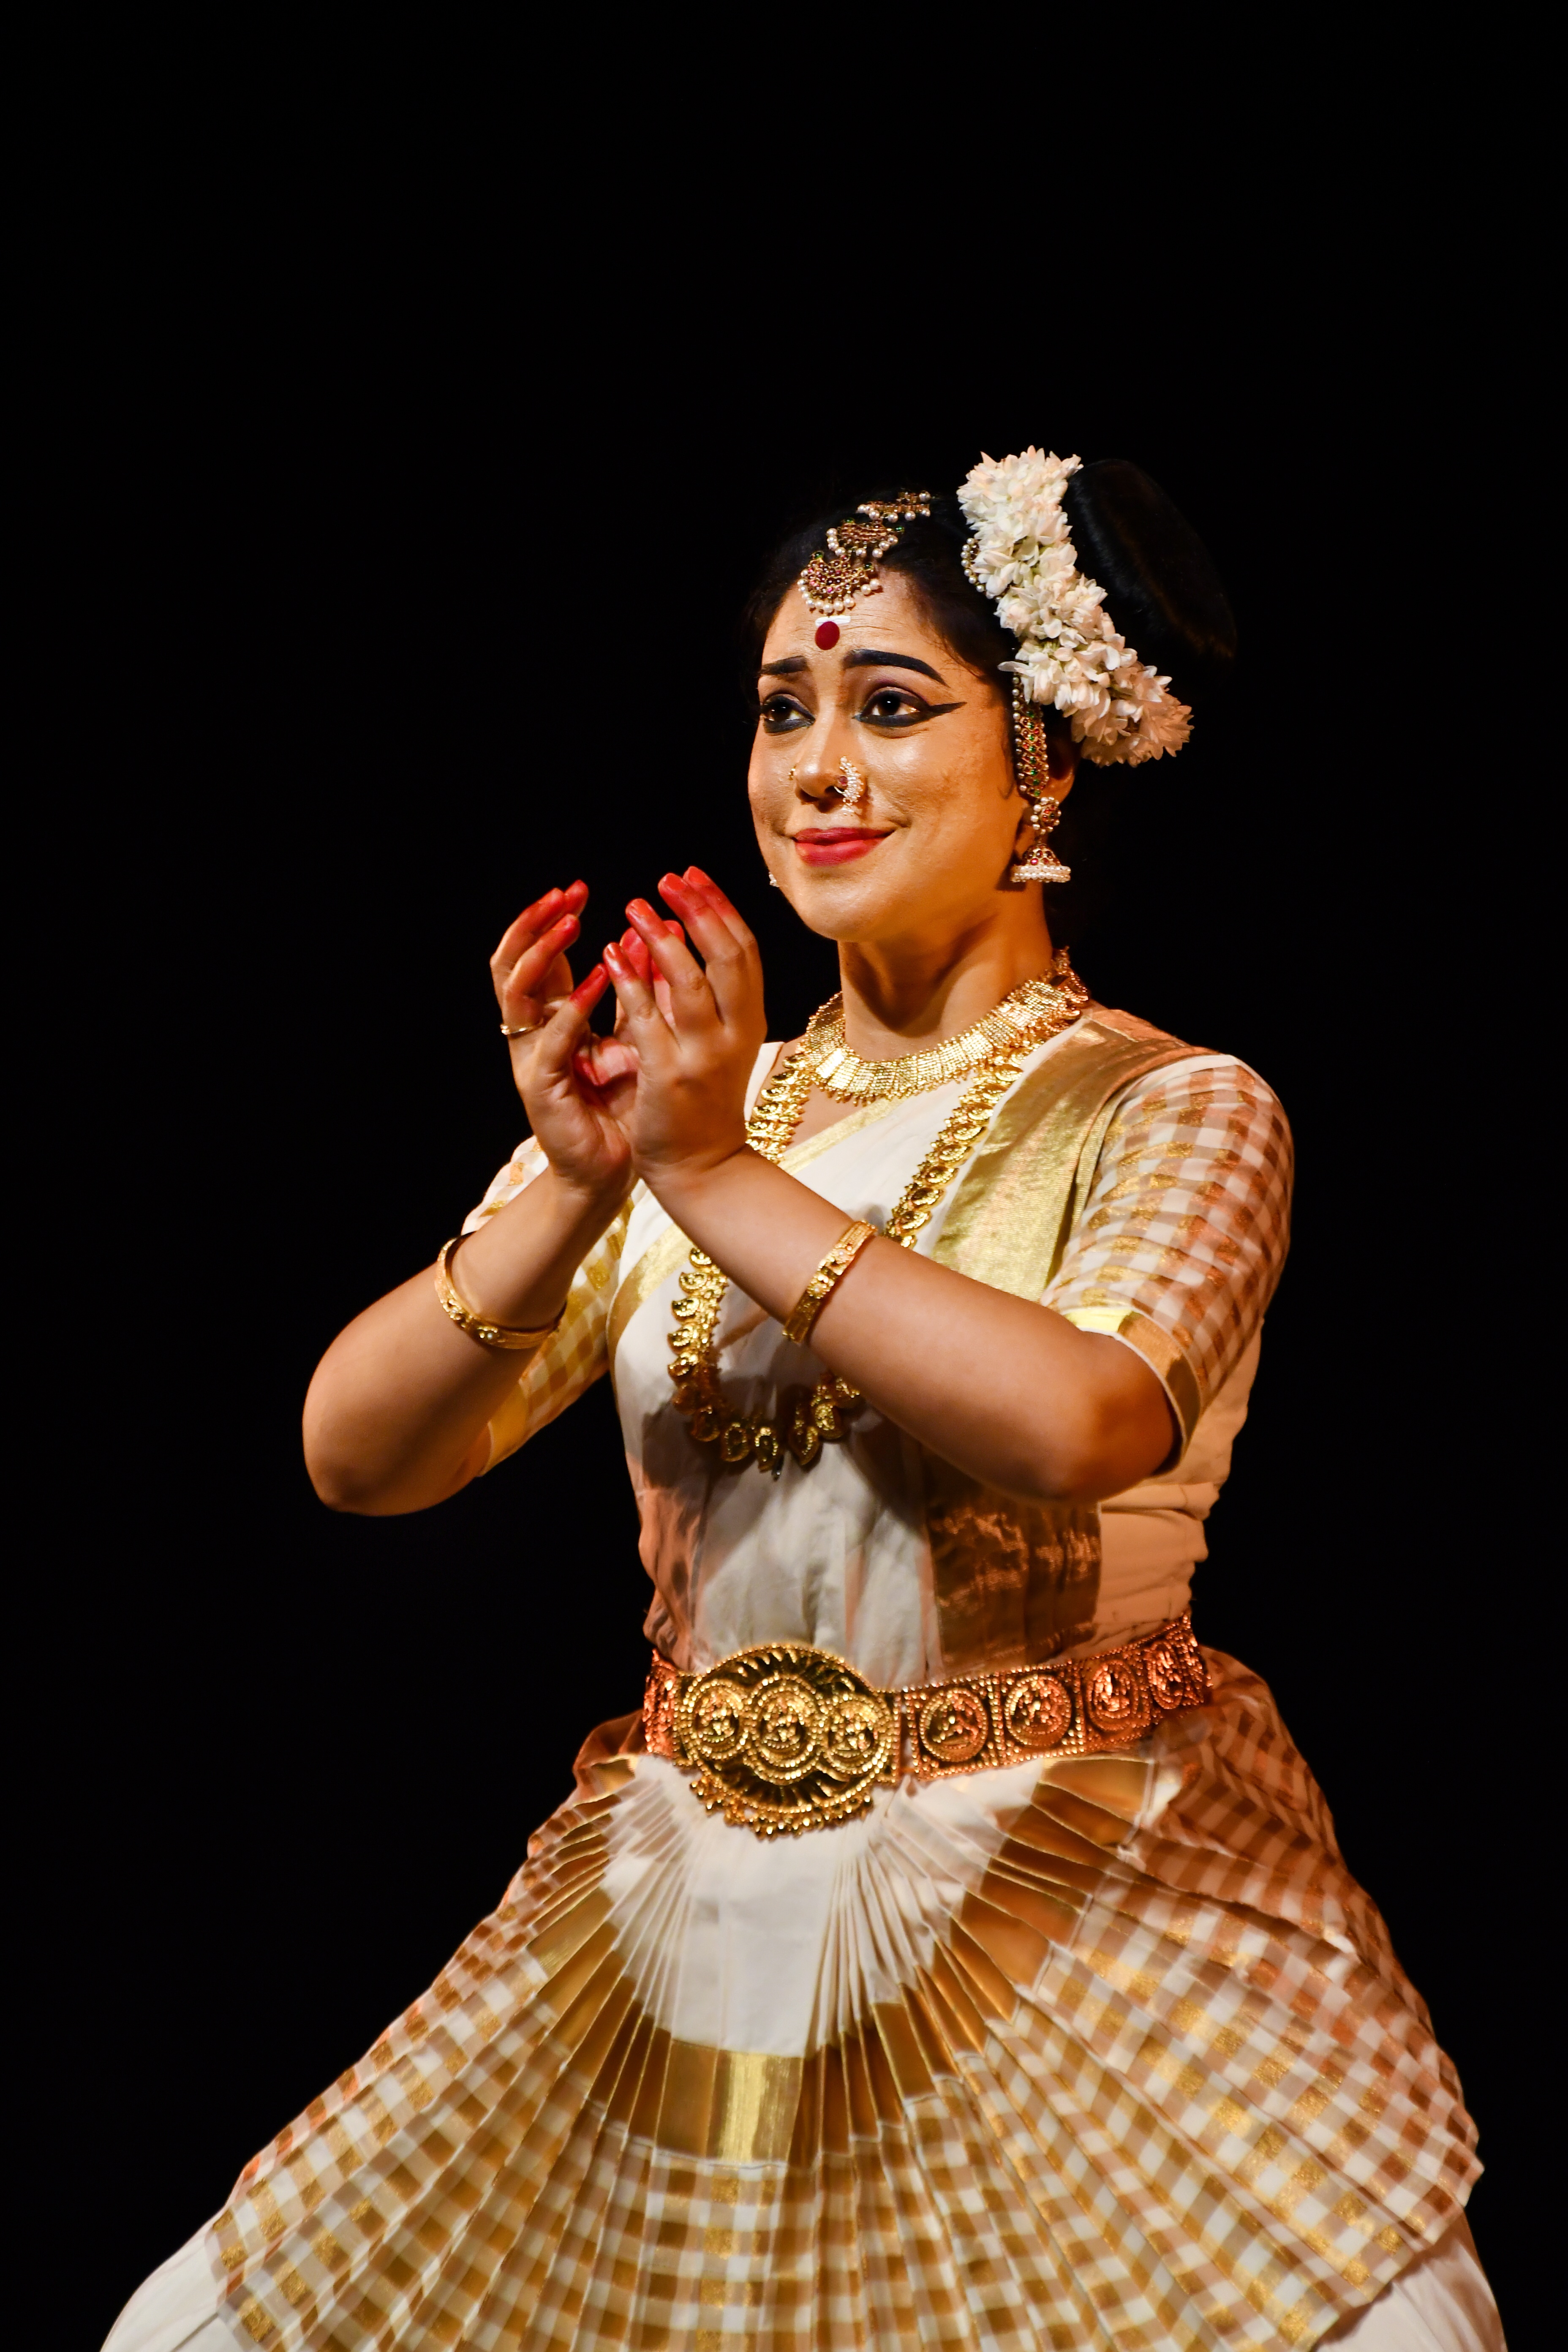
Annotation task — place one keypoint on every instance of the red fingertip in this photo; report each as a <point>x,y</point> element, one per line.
<point>590,986</point>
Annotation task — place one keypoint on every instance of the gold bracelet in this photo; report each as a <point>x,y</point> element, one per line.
<point>825,1280</point>
<point>489,1334</point>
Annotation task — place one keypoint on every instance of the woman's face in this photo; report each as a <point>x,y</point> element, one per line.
<point>928,848</point>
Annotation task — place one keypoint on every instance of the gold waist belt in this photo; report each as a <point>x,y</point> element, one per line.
<point>787,1737</point>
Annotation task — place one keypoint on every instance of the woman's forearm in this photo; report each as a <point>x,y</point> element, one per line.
<point>396,1416</point>
<point>1002,1387</point>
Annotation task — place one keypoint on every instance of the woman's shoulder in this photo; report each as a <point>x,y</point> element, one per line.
<point>1199,1120</point>
<point>1163,1068</point>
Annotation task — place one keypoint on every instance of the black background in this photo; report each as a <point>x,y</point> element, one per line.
<point>399,497</point>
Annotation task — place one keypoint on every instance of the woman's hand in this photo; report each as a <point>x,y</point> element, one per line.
<point>695,1028</point>
<point>570,1081</point>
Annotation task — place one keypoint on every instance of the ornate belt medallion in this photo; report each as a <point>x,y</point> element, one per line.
<point>785,1737</point>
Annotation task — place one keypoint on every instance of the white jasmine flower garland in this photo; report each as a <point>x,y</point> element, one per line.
<point>1070,652</point>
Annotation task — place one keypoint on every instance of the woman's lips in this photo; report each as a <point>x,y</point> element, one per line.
<point>836,844</point>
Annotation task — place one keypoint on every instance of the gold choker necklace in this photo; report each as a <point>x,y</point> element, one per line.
<point>995,1050</point>
<point>1032,1013</point>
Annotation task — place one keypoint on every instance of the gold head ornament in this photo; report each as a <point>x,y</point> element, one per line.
<point>843,572</point>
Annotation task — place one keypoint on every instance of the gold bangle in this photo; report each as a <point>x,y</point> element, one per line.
<point>825,1280</point>
<point>489,1334</point>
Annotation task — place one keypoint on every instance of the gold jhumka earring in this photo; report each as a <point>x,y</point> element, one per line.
<point>1031,757</point>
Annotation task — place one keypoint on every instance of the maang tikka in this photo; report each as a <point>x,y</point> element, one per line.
<point>845,570</point>
<point>1031,756</point>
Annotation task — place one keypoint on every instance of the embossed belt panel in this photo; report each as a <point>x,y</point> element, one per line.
<point>788,1738</point>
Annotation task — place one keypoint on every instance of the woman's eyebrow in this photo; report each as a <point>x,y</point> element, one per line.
<point>786,669</point>
<point>866,657</point>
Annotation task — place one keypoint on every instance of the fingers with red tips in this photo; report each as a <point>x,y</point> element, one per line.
<point>631,975</point>
<point>636,955</point>
<point>589,990</point>
<point>648,926</point>
<point>537,923</point>
<point>694,879</point>
<point>728,950</point>
<point>697,880</point>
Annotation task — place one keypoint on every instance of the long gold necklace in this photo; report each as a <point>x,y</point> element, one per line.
<point>994,1051</point>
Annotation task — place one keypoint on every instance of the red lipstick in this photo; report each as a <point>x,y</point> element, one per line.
<point>836,845</point>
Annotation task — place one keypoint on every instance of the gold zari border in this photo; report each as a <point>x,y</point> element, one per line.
<point>1160,1351</point>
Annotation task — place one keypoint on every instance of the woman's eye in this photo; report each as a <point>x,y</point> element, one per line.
<point>778,713</point>
<point>893,706</point>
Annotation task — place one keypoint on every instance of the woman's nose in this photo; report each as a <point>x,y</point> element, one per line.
<point>816,776</point>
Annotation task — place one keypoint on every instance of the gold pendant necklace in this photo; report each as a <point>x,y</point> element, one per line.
<point>995,1050</point>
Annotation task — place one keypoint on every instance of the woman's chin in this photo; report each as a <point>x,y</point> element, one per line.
<point>839,908</point>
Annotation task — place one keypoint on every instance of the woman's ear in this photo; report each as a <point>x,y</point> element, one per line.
<point>1063,755</point>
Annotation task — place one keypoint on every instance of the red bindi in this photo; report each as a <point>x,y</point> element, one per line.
<point>826,634</point>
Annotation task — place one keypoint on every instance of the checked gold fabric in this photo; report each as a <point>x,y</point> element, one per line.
<point>1122,2060</point>
<point>1103,2051</point>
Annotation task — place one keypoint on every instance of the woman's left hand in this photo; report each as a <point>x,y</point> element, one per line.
<point>696,1028</point>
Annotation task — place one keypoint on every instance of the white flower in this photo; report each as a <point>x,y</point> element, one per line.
<point>1071,653</point>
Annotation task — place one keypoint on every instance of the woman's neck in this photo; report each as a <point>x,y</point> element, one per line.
<point>900,996</point>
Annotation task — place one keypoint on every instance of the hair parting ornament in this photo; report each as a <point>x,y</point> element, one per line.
<point>1071,656</point>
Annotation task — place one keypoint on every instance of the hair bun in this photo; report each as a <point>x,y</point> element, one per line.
<point>1161,586</point>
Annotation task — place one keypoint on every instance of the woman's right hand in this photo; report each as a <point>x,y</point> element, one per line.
<point>571,1113</point>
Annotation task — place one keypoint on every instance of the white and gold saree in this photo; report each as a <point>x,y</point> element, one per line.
<point>1108,2053</point>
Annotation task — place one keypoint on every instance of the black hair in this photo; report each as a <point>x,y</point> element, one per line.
<point>1162,591</point>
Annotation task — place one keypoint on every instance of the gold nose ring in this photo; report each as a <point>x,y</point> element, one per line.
<point>852,791</point>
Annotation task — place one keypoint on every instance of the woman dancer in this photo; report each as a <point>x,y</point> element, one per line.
<point>952,1952</point>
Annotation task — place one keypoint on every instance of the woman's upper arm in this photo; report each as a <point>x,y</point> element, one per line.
<point>1184,1231</point>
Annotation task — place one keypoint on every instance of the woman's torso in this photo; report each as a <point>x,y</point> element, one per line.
<point>880,1552</point>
